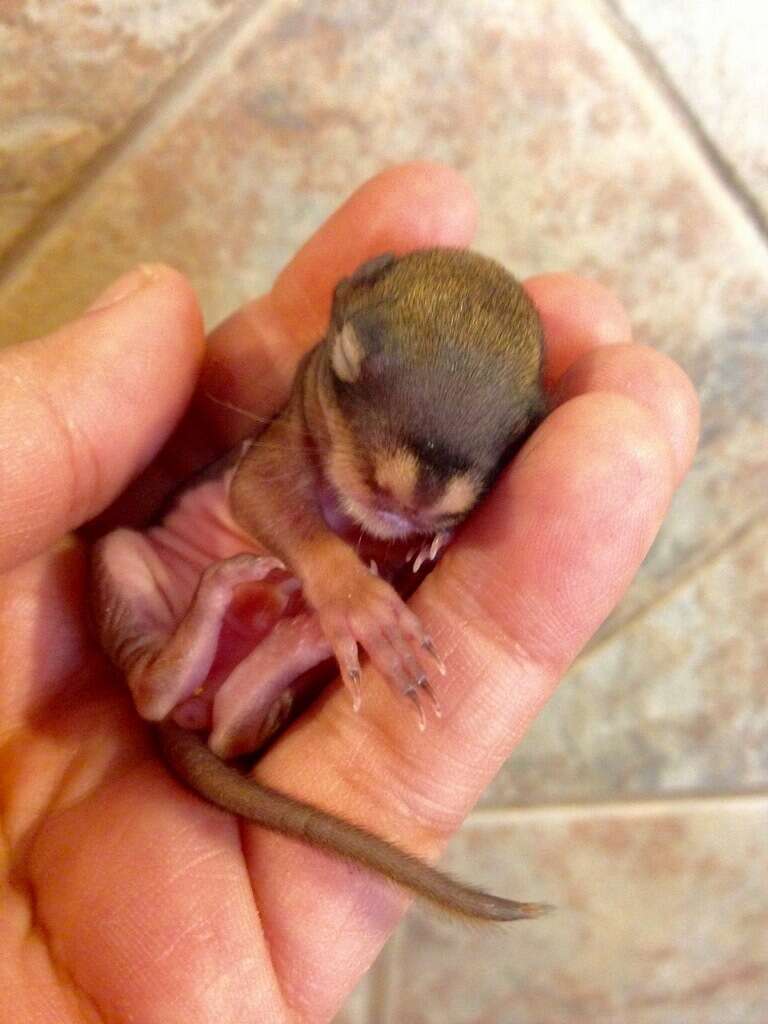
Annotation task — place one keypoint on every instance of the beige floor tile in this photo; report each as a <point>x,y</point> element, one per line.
<point>71,76</point>
<point>714,56</point>
<point>675,702</point>
<point>662,919</point>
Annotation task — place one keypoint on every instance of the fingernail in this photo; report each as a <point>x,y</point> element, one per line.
<point>125,286</point>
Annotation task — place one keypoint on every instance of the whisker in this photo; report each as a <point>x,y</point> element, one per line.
<point>239,409</point>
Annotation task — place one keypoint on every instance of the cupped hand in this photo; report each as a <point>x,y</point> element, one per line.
<point>125,898</point>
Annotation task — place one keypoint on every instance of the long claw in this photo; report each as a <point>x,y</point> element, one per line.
<point>413,696</point>
<point>426,687</point>
<point>352,682</point>
<point>428,645</point>
<point>420,559</point>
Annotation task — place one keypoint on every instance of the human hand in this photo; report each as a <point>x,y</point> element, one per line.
<point>127,898</point>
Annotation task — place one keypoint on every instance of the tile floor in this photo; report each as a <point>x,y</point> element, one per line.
<point>622,139</point>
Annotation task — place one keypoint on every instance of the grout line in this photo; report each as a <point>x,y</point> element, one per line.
<point>635,807</point>
<point>738,534</point>
<point>727,174</point>
<point>171,98</point>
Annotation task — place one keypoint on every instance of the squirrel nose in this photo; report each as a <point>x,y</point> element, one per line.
<point>384,497</point>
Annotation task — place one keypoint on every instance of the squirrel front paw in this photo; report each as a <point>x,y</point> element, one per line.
<point>359,609</point>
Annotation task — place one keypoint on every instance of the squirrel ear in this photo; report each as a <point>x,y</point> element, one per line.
<point>347,354</point>
<point>372,270</point>
<point>367,273</point>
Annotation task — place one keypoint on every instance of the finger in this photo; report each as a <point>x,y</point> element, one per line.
<point>577,315</point>
<point>649,378</point>
<point>252,356</point>
<point>85,408</point>
<point>526,584</point>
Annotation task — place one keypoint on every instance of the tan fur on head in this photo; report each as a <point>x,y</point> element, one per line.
<point>397,474</point>
<point>459,497</point>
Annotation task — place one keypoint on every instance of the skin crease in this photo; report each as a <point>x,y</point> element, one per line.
<point>245,925</point>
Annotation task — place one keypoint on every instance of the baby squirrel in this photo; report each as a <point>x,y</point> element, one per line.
<point>399,420</point>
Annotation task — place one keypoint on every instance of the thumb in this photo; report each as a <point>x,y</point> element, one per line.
<point>85,408</point>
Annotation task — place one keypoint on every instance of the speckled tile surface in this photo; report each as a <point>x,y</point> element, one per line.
<point>714,56</point>
<point>71,76</point>
<point>662,919</point>
<point>674,703</point>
